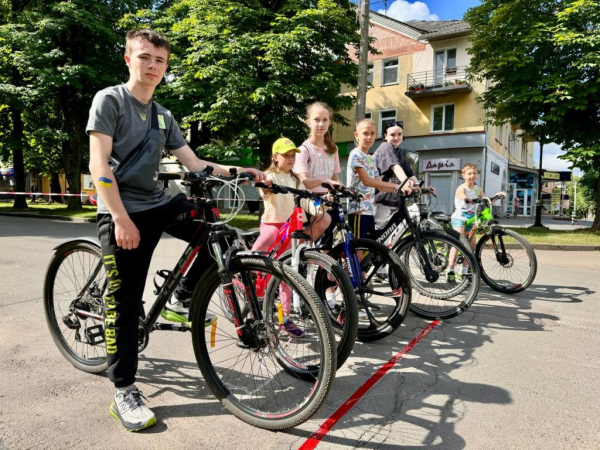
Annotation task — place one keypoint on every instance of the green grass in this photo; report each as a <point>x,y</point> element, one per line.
<point>243,221</point>
<point>54,209</point>
<point>583,236</point>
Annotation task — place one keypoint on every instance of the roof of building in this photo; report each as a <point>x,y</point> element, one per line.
<point>395,25</point>
<point>422,29</point>
<point>439,28</point>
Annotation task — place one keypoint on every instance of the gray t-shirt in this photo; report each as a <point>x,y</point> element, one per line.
<point>116,113</point>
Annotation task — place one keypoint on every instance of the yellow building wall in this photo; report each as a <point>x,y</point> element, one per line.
<point>416,114</point>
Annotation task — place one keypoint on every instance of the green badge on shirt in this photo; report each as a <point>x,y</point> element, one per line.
<point>161,122</point>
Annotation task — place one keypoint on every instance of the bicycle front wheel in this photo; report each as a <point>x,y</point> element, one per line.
<point>279,377</point>
<point>439,297</point>
<point>384,290</point>
<point>333,286</point>
<point>508,262</point>
<point>74,306</point>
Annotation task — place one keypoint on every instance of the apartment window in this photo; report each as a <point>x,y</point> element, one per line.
<point>498,133</point>
<point>368,115</point>
<point>370,73</point>
<point>445,64</point>
<point>390,71</point>
<point>386,117</point>
<point>442,117</point>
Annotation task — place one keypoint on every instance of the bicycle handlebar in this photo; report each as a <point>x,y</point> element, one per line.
<point>202,175</point>
<point>278,189</point>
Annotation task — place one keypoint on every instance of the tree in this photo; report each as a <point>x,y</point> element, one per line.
<point>247,69</point>
<point>61,54</point>
<point>541,59</point>
<point>584,202</point>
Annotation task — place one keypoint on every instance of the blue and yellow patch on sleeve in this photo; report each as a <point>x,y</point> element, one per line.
<point>105,182</point>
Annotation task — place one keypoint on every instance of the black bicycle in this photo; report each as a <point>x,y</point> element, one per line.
<point>426,256</point>
<point>260,373</point>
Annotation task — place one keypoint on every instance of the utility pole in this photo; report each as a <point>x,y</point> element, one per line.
<point>538,205</point>
<point>574,205</point>
<point>363,55</point>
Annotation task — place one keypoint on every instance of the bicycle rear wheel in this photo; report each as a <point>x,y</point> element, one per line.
<point>278,380</point>
<point>74,306</point>
<point>384,292</point>
<point>439,298</point>
<point>508,262</point>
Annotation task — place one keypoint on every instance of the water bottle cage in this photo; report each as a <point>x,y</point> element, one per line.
<point>164,274</point>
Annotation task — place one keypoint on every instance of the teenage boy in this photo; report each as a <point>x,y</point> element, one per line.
<point>129,129</point>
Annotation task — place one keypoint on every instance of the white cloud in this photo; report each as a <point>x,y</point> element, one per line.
<point>550,159</point>
<point>403,11</point>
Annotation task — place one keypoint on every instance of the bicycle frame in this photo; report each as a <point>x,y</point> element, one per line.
<point>394,233</point>
<point>210,231</point>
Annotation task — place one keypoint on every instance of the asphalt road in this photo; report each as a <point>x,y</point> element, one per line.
<point>512,372</point>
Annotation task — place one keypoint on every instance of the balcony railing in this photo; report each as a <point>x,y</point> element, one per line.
<point>437,82</point>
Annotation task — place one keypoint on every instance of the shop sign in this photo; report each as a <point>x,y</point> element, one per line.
<point>552,175</point>
<point>441,164</point>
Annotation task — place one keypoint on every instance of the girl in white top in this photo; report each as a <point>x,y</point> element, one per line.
<point>318,162</point>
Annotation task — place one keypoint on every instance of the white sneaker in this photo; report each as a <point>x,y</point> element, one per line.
<point>181,307</point>
<point>130,409</point>
<point>362,315</point>
<point>381,275</point>
<point>330,296</point>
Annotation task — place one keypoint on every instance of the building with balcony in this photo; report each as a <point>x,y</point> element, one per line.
<point>419,77</point>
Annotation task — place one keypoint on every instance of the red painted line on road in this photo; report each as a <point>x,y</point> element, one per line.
<point>326,426</point>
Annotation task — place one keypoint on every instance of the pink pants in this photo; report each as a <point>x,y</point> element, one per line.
<point>268,234</point>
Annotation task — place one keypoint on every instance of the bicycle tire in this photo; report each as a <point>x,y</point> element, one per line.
<point>438,299</point>
<point>496,277</point>
<point>225,382</point>
<point>67,273</point>
<point>393,305</point>
<point>345,320</point>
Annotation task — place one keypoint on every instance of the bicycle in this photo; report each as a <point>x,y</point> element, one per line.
<point>506,260</point>
<point>425,253</point>
<point>323,272</point>
<point>258,374</point>
<point>386,303</point>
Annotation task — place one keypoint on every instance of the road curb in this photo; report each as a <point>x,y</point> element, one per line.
<point>48,216</point>
<point>577,248</point>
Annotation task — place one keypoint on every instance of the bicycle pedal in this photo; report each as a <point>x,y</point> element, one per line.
<point>72,323</point>
<point>95,335</point>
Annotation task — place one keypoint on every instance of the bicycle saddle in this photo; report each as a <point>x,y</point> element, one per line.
<point>248,234</point>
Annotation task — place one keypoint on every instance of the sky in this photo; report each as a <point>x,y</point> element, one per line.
<point>423,10</point>
<point>405,10</point>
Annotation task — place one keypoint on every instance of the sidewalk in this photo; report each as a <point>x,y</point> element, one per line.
<point>547,221</point>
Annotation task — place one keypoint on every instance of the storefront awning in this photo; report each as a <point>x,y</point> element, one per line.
<point>520,169</point>
<point>444,141</point>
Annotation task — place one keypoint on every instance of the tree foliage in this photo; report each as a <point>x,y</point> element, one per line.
<point>55,55</point>
<point>542,59</point>
<point>247,69</point>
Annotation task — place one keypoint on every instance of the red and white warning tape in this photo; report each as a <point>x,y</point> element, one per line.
<point>39,194</point>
